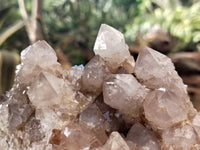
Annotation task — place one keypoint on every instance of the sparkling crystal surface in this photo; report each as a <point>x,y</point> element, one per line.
<point>125,93</point>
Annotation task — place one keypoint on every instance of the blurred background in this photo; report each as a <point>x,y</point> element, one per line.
<point>171,27</point>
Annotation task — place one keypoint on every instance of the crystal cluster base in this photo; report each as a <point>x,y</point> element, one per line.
<point>113,103</point>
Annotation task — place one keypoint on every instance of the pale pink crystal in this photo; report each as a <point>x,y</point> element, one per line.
<point>115,142</point>
<point>141,138</point>
<point>181,137</point>
<point>94,119</point>
<point>93,75</point>
<point>114,118</point>
<point>155,70</point>
<point>125,93</point>
<point>46,91</point>
<point>39,55</point>
<point>73,137</point>
<point>110,45</point>
<point>162,109</point>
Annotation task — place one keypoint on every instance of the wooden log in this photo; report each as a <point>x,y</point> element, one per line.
<point>193,80</point>
<point>8,62</point>
<point>186,63</point>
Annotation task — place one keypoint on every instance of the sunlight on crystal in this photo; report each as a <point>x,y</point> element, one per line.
<point>67,132</point>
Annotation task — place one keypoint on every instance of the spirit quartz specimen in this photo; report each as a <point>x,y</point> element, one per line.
<point>112,103</point>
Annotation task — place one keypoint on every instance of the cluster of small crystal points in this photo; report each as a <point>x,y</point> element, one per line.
<point>113,103</point>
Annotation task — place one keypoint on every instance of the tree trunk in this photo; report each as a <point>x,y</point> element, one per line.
<point>33,22</point>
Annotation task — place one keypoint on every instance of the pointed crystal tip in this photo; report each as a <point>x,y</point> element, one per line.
<point>110,45</point>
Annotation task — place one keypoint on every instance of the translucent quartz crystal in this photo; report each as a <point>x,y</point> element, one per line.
<point>56,89</point>
<point>44,97</point>
<point>110,45</point>
<point>20,113</point>
<point>38,55</point>
<point>129,64</point>
<point>196,120</point>
<point>181,137</point>
<point>32,127</point>
<point>94,74</point>
<point>154,69</point>
<point>73,75</point>
<point>46,91</point>
<point>182,97</point>
<point>50,119</point>
<point>94,119</point>
<point>53,92</point>
<point>162,109</point>
<point>141,138</point>
<point>3,127</point>
<point>125,93</point>
<point>115,142</point>
<point>73,137</point>
<point>195,123</point>
<point>170,102</point>
<point>18,107</point>
<point>115,120</point>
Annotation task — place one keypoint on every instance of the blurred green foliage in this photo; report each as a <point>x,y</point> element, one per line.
<point>72,25</point>
<point>10,18</point>
<point>180,18</point>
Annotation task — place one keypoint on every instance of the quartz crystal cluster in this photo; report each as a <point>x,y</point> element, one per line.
<point>113,103</point>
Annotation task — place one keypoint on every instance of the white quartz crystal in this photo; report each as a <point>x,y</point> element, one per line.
<point>110,45</point>
<point>182,137</point>
<point>39,55</point>
<point>163,110</point>
<point>125,93</point>
<point>154,69</point>
<point>115,142</point>
<point>142,138</point>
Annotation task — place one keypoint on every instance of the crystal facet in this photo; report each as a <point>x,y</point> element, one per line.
<point>141,138</point>
<point>115,142</point>
<point>94,74</point>
<point>110,45</point>
<point>183,137</point>
<point>34,57</point>
<point>73,136</point>
<point>123,92</point>
<point>154,69</point>
<point>163,110</point>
